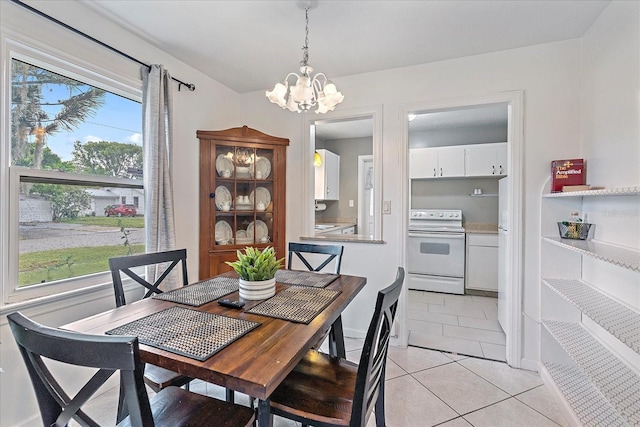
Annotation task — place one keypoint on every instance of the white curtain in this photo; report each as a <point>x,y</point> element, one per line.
<point>157,110</point>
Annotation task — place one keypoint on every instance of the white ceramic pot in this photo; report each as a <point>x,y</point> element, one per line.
<point>257,290</point>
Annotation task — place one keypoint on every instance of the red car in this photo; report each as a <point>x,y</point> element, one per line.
<point>120,210</point>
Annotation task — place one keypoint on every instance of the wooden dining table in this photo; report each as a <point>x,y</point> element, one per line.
<point>254,364</point>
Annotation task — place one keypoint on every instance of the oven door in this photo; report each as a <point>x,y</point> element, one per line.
<point>436,253</point>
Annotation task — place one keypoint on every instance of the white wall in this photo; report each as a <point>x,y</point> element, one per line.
<point>555,96</point>
<point>610,101</point>
<point>549,76</point>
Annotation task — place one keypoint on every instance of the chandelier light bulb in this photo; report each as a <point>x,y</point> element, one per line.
<point>308,92</point>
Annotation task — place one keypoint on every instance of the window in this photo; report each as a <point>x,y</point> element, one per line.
<point>75,154</point>
<point>136,202</point>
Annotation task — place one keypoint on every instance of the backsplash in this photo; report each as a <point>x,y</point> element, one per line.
<point>455,194</point>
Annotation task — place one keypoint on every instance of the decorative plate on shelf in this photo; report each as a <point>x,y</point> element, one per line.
<point>223,163</point>
<point>222,196</point>
<point>263,165</point>
<point>261,230</point>
<point>223,231</point>
<point>262,195</point>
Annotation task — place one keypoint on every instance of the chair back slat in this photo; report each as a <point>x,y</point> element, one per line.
<point>371,370</point>
<point>301,249</point>
<point>106,354</point>
<point>124,265</point>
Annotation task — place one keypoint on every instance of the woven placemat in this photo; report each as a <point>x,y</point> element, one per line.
<point>201,292</point>
<point>305,278</point>
<point>195,334</point>
<point>298,304</point>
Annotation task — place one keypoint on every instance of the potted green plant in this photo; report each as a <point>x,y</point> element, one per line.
<point>257,271</point>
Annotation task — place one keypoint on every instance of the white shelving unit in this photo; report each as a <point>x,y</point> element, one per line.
<point>590,307</point>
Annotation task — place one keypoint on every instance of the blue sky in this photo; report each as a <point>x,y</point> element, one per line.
<point>119,120</point>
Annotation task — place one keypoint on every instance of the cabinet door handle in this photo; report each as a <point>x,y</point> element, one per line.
<point>434,172</point>
<point>212,195</point>
<point>501,170</point>
<point>440,171</point>
<point>493,170</point>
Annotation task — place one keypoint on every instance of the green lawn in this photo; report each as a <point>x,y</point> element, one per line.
<point>47,266</point>
<point>111,221</point>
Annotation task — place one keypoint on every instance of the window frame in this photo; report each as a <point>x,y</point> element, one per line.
<point>77,69</point>
<point>308,171</point>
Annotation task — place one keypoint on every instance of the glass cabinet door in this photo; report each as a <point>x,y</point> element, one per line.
<point>243,196</point>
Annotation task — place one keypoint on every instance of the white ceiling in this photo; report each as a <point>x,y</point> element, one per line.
<point>250,45</point>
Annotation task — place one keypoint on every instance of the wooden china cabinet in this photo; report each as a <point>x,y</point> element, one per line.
<point>242,195</point>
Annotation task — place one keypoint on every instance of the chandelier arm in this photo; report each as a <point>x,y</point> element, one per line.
<point>286,79</point>
<point>317,86</point>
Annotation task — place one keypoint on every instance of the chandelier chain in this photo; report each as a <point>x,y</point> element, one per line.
<point>305,48</point>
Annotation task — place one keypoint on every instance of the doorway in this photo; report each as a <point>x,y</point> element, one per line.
<point>513,334</point>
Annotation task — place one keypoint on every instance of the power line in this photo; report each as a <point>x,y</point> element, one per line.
<point>113,127</point>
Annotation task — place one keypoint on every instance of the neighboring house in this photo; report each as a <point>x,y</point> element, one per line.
<point>103,197</point>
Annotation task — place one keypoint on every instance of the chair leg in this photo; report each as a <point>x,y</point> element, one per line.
<point>230,395</point>
<point>123,411</point>
<point>336,339</point>
<point>379,408</point>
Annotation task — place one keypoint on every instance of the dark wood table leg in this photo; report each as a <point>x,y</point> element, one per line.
<point>265,419</point>
<point>336,339</point>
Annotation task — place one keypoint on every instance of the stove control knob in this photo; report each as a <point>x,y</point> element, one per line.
<point>441,215</point>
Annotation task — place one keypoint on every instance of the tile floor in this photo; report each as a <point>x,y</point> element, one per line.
<point>463,324</point>
<point>429,388</point>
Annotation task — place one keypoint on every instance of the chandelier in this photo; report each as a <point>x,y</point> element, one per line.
<point>308,92</point>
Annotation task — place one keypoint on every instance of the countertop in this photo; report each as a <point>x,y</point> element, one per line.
<point>332,227</point>
<point>480,228</point>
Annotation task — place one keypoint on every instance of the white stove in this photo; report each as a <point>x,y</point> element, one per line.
<point>436,250</point>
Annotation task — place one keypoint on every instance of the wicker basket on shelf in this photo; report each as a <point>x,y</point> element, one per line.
<point>574,230</point>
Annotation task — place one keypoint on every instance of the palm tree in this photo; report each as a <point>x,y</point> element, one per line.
<point>28,117</point>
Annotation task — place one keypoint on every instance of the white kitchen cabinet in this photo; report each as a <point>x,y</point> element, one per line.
<point>482,262</point>
<point>486,159</point>
<point>349,230</point>
<point>437,162</point>
<point>327,176</point>
<point>590,307</point>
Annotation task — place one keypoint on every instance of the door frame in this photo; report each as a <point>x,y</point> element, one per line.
<point>515,150</point>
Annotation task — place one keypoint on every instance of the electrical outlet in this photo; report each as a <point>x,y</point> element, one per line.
<point>351,204</point>
<point>386,207</point>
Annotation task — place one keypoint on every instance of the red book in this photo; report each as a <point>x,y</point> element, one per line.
<point>567,172</point>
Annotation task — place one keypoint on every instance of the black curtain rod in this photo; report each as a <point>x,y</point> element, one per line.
<point>189,86</point>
